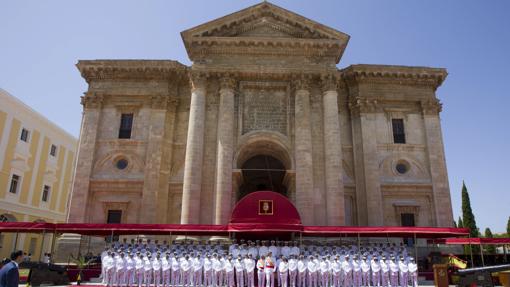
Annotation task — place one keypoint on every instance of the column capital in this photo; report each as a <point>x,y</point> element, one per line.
<point>329,82</point>
<point>198,80</point>
<point>359,105</point>
<point>92,100</point>
<point>227,82</point>
<point>431,107</point>
<point>301,82</point>
<point>162,102</point>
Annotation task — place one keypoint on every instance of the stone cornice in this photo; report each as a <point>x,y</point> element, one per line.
<point>432,77</point>
<point>361,105</point>
<point>131,70</point>
<point>292,30</point>
<point>92,100</point>
<point>431,107</point>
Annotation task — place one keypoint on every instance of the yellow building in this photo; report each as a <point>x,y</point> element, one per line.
<point>36,169</point>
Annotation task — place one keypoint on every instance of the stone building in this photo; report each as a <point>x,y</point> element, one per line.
<point>262,107</point>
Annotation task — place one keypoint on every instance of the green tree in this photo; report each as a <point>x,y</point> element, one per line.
<point>490,248</point>
<point>468,218</point>
<point>460,224</point>
<point>455,224</point>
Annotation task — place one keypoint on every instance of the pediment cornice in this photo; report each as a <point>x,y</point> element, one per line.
<point>263,26</point>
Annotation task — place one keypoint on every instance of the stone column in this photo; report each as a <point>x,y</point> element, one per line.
<point>92,104</point>
<point>190,211</point>
<point>368,188</point>
<point>335,208</point>
<point>303,152</point>
<point>223,200</point>
<point>153,158</point>
<point>437,163</point>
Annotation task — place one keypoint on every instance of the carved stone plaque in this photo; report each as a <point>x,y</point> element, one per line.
<point>265,107</point>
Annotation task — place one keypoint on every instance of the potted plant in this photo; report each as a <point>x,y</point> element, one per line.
<point>81,263</point>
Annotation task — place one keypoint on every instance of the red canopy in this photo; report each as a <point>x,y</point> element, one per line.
<point>383,231</point>
<point>210,230</point>
<point>475,241</point>
<point>265,211</point>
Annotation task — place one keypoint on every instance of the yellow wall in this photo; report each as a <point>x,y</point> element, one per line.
<point>9,155</point>
<point>39,168</point>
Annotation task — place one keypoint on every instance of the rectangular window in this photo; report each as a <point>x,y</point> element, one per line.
<point>53,150</point>
<point>126,124</point>
<point>15,181</point>
<point>24,135</point>
<point>407,219</point>
<point>46,193</point>
<point>399,135</point>
<point>114,216</point>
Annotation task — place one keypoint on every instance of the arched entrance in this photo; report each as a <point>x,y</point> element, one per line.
<point>262,172</point>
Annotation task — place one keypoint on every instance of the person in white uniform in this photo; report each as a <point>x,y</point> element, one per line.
<point>229,271</point>
<point>336,269</point>
<point>261,275</point>
<point>376,272</point>
<point>185,271</point>
<point>166,267</point>
<point>249,267</point>
<point>108,265</point>
<point>365,272</point>
<point>413,272</point>
<point>147,270</point>
<point>197,265</point>
<point>301,268</point>
<point>385,272</point>
<point>239,270</point>
<point>283,271</point>
<point>130,270</point>
<point>217,266</point>
<point>403,271</point>
<point>139,269</point>
<point>394,270</point>
<point>176,270</point>
<point>293,270</point>
<point>156,269</point>
<point>312,272</point>
<point>269,269</point>
<point>347,268</point>
<point>120,269</point>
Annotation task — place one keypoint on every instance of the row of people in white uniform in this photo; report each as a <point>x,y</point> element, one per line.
<point>173,269</point>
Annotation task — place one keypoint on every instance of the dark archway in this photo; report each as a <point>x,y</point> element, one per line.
<point>262,172</point>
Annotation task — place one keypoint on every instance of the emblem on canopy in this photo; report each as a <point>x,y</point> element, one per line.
<point>265,207</point>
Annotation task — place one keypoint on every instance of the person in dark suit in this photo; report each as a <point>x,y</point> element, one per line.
<point>9,274</point>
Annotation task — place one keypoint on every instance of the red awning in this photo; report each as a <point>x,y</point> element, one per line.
<point>149,229</point>
<point>384,231</point>
<point>474,241</point>
<point>26,227</point>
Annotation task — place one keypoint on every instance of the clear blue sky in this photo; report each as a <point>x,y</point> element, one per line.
<point>41,41</point>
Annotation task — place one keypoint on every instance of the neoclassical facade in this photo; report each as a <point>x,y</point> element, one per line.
<point>262,107</point>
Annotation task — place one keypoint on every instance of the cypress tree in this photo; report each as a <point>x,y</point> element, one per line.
<point>468,219</point>
<point>460,224</point>
<point>455,224</point>
<point>508,227</point>
<point>490,248</point>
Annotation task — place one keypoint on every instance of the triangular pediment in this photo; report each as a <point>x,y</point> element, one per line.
<point>264,20</point>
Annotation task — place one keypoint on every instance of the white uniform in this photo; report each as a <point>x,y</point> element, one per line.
<point>293,272</point>
<point>166,267</point>
<point>312,273</point>
<point>147,271</point>
<point>336,269</point>
<point>286,251</point>
<point>130,271</point>
<point>324,272</point>
<point>185,272</point>
<point>269,269</point>
<point>365,273</point>
<point>301,267</point>
<point>413,273</point>
<point>120,269</point>
<point>283,270</point>
<point>249,267</point>
<point>239,268</point>
<point>404,273</point>
<point>197,266</point>
<point>385,273</point>
<point>261,276</point>
<point>376,273</point>
<point>254,252</point>
<point>139,270</point>
<point>229,272</point>
<point>176,271</point>
<point>208,276</point>
<point>156,269</point>
<point>394,273</point>
<point>217,266</point>
<point>263,250</point>
<point>347,268</point>
<point>108,263</point>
